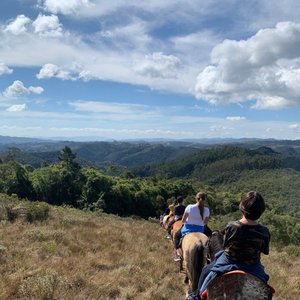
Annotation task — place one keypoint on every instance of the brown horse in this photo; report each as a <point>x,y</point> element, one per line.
<point>176,226</point>
<point>194,258</point>
<point>166,221</point>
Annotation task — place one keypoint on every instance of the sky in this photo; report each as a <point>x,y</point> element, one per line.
<point>134,69</point>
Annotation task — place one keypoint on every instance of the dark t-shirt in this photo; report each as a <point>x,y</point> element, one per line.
<point>167,211</point>
<point>179,210</point>
<point>244,243</point>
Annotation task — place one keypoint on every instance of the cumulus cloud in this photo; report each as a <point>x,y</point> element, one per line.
<point>35,90</point>
<point>74,72</point>
<point>64,7</point>
<point>43,26</point>
<point>18,26</point>
<point>48,71</point>
<point>17,89</point>
<point>47,26</point>
<point>5,69</point>
<point>17,108</point>
<point>158,65</point>
<point>264,68</point>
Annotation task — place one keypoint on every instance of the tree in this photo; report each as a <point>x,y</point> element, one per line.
<point>14,179</point>
<point>67,158</point>
<point>46,182</point>
<point>71,178</point>
<point>94,188</point>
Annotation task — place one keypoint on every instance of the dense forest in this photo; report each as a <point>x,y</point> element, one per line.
<point>132,181</point>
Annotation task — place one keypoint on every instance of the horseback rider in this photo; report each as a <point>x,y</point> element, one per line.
<point>244,241</point>
<point>179,209</point>
<point>194,219</point>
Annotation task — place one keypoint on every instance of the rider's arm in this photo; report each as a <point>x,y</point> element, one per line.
<point>185,216</point>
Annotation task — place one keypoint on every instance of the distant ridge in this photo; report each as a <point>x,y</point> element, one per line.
<point>20,140</point>
<point>173,142</point>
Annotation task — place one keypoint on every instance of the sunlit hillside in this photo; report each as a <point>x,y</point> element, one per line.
<point>62,253</point>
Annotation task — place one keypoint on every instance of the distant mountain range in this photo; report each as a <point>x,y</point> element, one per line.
<point>131,153</point>
<point>4,140</point>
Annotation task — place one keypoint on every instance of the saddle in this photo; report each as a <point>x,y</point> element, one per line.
<point>237,285</point>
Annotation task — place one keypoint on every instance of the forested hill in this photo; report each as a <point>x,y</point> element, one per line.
<point>140,153</point>
<point>96,153</point>
<point>221,164</point>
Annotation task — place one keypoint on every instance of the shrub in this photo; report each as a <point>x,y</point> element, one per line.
<point>42,286</point>
<point>37,211</point>
<point>292,250</point>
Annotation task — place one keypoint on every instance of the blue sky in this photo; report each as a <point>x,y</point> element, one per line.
<point>190,69</point>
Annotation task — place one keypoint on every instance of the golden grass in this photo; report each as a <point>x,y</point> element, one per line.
<point>284,271</point>
<point>78,255</point>
<point>82,255</point>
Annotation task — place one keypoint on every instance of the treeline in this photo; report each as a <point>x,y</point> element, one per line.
<point>67,183</point>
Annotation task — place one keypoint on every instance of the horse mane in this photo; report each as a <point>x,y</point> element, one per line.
<point>215,244</point>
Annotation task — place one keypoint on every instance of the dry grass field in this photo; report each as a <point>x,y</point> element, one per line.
<point>83,255</point>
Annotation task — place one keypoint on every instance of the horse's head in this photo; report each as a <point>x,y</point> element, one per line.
<point>169,219</point>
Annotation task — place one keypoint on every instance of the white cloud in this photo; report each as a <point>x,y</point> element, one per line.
<point>191,43</point>
<point>132,35</point>
<point>132,43</point>
<point>64,7</point>
<point>47,26</point>
<point>235,118</point>
<point>74,72</point>
<point>43,26</point>
<point>271,102</point>
<point>117,52</point>
<point>104,107</point>
<point>17,89</point>
<point>48,71</point>
<point>18,26</point>
<point>295,127</point>
<point>264,68</point>
<point>5,69</point>
<point>17,108</point>
<point>158,65</point>
<point>35,90</point>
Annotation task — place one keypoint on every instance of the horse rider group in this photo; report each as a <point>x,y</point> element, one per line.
<point>243,241</point>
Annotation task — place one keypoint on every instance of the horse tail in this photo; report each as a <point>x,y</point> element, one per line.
<point>197,264</point>
<point>195,260</point>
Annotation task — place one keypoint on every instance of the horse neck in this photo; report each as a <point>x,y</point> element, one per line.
<point>215,243</point>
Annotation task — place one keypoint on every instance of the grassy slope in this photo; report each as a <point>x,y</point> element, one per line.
<point>78,255</point>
